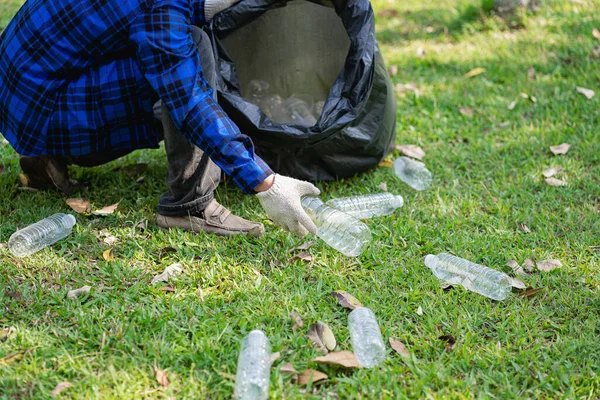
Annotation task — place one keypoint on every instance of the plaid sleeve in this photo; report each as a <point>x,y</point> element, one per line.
<point>171,63</point>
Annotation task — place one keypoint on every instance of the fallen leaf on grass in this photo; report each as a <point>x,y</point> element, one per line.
<point>107,238</point>
<point>420,311</point>
<point>60,388</point>
<point>383,187</point>
<point>310,375</point>
<point>169,288</point>
<point>528,265</point>
<point>322,336</point>
<point>345,359</point>
<point>596,33</point>
<point>466,111</point>
<point>385,163</point>
<point>288,369</point>
<point>5,333</point>
<point>586,92</point>
<point>517,283</point>
<point>274,357</point>
<point>596,52</point>
<point>11,358</point>
<point>402,88</point>
<point>562,148</point>
<point>78,292</point>
<point>161,376</point>
<point>303,255</point>
<point>512,105</point>
<point>135,169</point>
<point>393,70</point>
<point>106,210</point>
<point>548,265</point>
<point>410,150</point>
<point>420,52</point>
<point>556,182</point>
<point>24,180</point>
<point>531,74</point>
<point>550,172</point>
<point>346,300</point>
<point>109,255</point>
<point>298,323</point>
<point>79,205</point>
<point>388,12</point>
<point>450,341</point>
<point>516,268</point>
<point>303,246</point>
<point>474,72</point>
<point>530,292</point>
<point>399,347</point>
<point>524,228</point>
<point>169,272</point>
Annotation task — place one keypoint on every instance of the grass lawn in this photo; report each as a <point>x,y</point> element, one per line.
<point>487,180</point>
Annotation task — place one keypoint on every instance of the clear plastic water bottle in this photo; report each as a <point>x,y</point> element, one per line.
<point>368,205</point>
<point>253,368</point>
<point>35,237</point>
<point>299,112</point>
<point>365,336</point>
<point>344,233</point>
<point>474,277</point>
<point>413,173</point>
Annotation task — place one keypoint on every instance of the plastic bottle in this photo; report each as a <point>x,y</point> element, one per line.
<point>299,112</point>
<point>344,233</point>
<point>254,368</point>
<point>368,205</point>
<point>258,88</point>
<point>413,173</point>
<point>365,336</point>
<point>319,106</point>
<point>270,103</point>
<point>35,237</point>
<point>474,277</point>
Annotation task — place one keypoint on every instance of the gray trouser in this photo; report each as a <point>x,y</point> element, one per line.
<point>192,177</point>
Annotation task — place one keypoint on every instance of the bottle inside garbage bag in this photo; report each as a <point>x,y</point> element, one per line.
<point>368,205</point>
<point>474,277</point>
<point>341,231</point>
<point>413,173</point>
<point>299,112</point>
<point>41,234</point>
<point>253,368</point>
<point>365,336</point>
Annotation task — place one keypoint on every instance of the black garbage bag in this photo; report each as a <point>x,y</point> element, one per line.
<point>326,49</point>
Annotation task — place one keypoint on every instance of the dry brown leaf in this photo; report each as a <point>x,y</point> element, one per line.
<point>528,265</point>
<point>393,70</point>
<point>410,150</point>
<point>388,12</point>
<point>512,105</point>
<point>322,336</point>
<point>548,265</point>
<point>288,369</point>
<point>5,333</point>
<point>344,358</point>
<point>550,172</point>
<point>135,169</point>
<point>346,300</point>
<point>531,74</point>
<point>517,283</point>
<point>275,356</point>
<point>168,273</point>
<point>466,111</point>
<point>596,33</point>
<point>303,246</point>
<point>399,347</point>
<point>524,228</point>
<point>60,388</point>
<point>170,288</point>
<point>383,187</point>
<point>303,255</point>
<point>11,358</point>
<point>106,210</point>
<point>109,255</point>
<point>562,148</point>
<point>475,72</point>
<point>310,375</point>
<point>298,323</point>
<point>530,292</point>
<point>71,294</point>
<point>385,163</point>
<point>589,93</point>
<point>161,376</point>
<point>556,182</point>
<point>516,268</point>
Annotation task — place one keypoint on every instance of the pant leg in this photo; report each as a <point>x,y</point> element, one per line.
<point>192,177</point>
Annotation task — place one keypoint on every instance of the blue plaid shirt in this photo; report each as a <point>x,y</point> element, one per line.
<point>80,77</point>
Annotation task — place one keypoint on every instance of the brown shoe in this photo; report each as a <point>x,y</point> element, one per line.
<point>46,172</point>
<point>217,219</point>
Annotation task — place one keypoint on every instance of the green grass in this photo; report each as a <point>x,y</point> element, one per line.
<point>488,179</point>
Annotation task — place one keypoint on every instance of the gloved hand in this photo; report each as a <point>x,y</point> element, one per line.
<point>282,204</point>
<point>213,7</point>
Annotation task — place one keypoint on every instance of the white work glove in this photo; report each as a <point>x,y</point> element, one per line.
<point>213,7</point>
<point>282,204</point>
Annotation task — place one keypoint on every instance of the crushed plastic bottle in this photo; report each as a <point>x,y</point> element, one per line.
<point>368,205</point>
<point>253,368</point>
<point>299,112</point>
<point>42,234</point>
<point>365,336</point>
<point>413,173</point>
<point>344,233</point>
<point>474,277</point>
